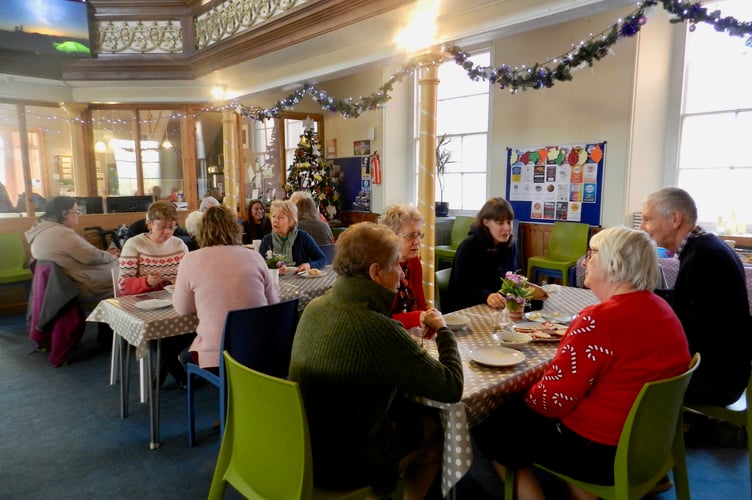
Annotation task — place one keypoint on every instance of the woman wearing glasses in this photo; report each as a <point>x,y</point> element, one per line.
<point>149,261</point>
<point>53,237</point>
<point>409,305</point>
<point>484,257</point>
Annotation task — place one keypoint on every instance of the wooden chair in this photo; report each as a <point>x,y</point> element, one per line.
<point>651,444</point>
<point>567,243</point>
<point>258,337</point>
<point>266,449</point>
<point>737,413</point>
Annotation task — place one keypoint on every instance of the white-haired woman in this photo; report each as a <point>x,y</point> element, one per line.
<point>611,349</point>
<point>286,239</point>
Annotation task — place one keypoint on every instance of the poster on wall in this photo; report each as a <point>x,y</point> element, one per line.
<point>556,183</point>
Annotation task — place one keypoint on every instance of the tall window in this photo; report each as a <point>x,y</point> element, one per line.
<point>716,123</point>
<point>463,117</point>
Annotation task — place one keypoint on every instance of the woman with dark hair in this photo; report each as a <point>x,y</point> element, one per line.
<point>207,286</point>
<point>53,237</point>
<point>258,224</point>
<point>484,257</point>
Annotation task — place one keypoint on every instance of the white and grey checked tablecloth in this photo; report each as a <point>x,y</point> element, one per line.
<point>486,388</point>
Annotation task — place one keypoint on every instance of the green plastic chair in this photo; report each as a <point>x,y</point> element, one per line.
<point>444,254</point>
<point>12,265</point>
<point>651,444</point>
<point>737,413</point>
<point>442,288</point>
<point>266,451</point>
<point>567,243</point>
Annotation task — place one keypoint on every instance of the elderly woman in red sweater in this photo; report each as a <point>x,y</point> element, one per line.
<point>409,305</point>
<point>611,349</point>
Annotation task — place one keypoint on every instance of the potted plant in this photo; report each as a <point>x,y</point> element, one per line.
<point>443,158</point>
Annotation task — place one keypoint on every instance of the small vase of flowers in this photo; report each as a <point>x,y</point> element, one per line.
<point>276,263</point>
<point>515,290</point>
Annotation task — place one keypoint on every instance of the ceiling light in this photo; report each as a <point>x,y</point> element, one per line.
<point>100,147</point>
<point>166,144</point>
<point>218,92</point>
<point>420,33</point>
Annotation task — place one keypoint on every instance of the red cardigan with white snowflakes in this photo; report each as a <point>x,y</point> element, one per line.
<point>609,352</point>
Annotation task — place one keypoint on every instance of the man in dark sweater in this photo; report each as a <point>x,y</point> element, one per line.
<point>709,297</point>
<point>359,372</point>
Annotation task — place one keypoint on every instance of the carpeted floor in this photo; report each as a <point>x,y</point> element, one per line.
<point>62,436</point>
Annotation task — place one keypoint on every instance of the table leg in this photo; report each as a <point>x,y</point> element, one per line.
<point>124,357</point>
<point>153,397</point>
<point>143,382</point>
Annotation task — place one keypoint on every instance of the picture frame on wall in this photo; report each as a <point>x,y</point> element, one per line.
<point>362,148</point>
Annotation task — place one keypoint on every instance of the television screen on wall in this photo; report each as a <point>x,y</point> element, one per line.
<point>119,204</point>
<point>57,28</point>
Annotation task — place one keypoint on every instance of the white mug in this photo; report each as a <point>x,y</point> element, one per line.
<point>257,245</point>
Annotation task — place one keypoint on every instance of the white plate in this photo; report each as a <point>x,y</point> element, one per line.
<point>306,274</point>
<point>497,356</point>
<point>170,288</point>
<point>552,316</point>
<point>456,320</point>
<point>153,304</point>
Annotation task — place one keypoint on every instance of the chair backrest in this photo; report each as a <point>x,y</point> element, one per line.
<point>442,288</point>
<point>329,252</point>
<point>568,241</point>
<point>460,228</point>
<point>266,451</point>
<point>12,250</point>
<point>651,427</point>
<point>261,337</point>
<point>115,273</point>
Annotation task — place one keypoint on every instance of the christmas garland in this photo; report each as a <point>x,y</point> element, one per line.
<point>537,76</point>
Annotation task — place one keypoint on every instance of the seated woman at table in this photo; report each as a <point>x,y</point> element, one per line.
<point>209,287</point>
<point>308,221</point>
<point>53,237</point>
<point>149,262</point>
<point>484,257</point>
<point>286,239</point>
<point>258,224</point>
<point>409,304</point>
<point>611,349</point>
<point>296,195</point>
<point>355,365</point>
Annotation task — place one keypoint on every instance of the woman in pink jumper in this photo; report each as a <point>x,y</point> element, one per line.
<point>219,277</point>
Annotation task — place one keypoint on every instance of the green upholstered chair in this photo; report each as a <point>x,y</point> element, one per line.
<point>651,444</point>
<point>12,266</point>
<point>444,254</point>
<point>737,413</point>
<point>266,450</point>
<point>442,287</point>
<point>567,243</point>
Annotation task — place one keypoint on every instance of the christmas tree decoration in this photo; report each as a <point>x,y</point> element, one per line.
<point>313,173</point>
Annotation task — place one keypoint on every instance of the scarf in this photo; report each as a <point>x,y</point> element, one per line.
<point>283,246</point>
<point>405,298</point>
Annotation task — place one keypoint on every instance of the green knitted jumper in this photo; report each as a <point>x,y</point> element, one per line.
<point>351,361</point>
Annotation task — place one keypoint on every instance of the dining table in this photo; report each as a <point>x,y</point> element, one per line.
<point>488,387</point>
<point>141,329</point>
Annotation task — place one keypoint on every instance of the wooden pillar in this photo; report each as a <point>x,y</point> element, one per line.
<point>428,81</point>
<point>84,175</point>
<point>230,152</point>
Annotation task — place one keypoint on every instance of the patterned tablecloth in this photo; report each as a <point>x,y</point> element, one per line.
<point>486,388</point>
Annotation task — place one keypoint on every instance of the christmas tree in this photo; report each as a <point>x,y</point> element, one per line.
<point>310,172</point>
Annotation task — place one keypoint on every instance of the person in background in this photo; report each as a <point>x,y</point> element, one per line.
<point>5,204</point>
<point>484,257</point>
<point>710,274</point>
<point>309,221</point>
<point>192,226</point>
<point>173,196</point>
<point>156,192</point>
<point>208,287</point>
<point>149,262</point>
<point>296,195</point>
<point>611,349</point>
<point>258,224</point>
<point>355,366</point>
<point>208,201</point>
<point>39,202</point>
<point>53,237</point>
<point>409,305</point>
<point>286,239</point>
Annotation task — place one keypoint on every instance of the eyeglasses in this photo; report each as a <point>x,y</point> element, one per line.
<point>590,253</point>
<point>413,236</point>
<point>74,212</point>
<point>160,227</point>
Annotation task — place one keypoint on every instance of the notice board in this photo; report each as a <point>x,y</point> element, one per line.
<point>355,182</point>
<point>556,183</point>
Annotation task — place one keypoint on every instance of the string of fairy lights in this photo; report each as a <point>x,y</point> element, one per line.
<point>538,75</point>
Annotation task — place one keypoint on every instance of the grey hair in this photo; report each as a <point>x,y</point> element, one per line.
<point>673,199</point>
<point>193,222</point>
<point>363,244</point>
<point>396,216</point>
<point>627,256</point>
<point>286,207</point>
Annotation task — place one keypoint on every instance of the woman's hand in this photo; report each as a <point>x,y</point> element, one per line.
<point>496,300</point>
<point>154,280</point>
<point>303,267</point>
